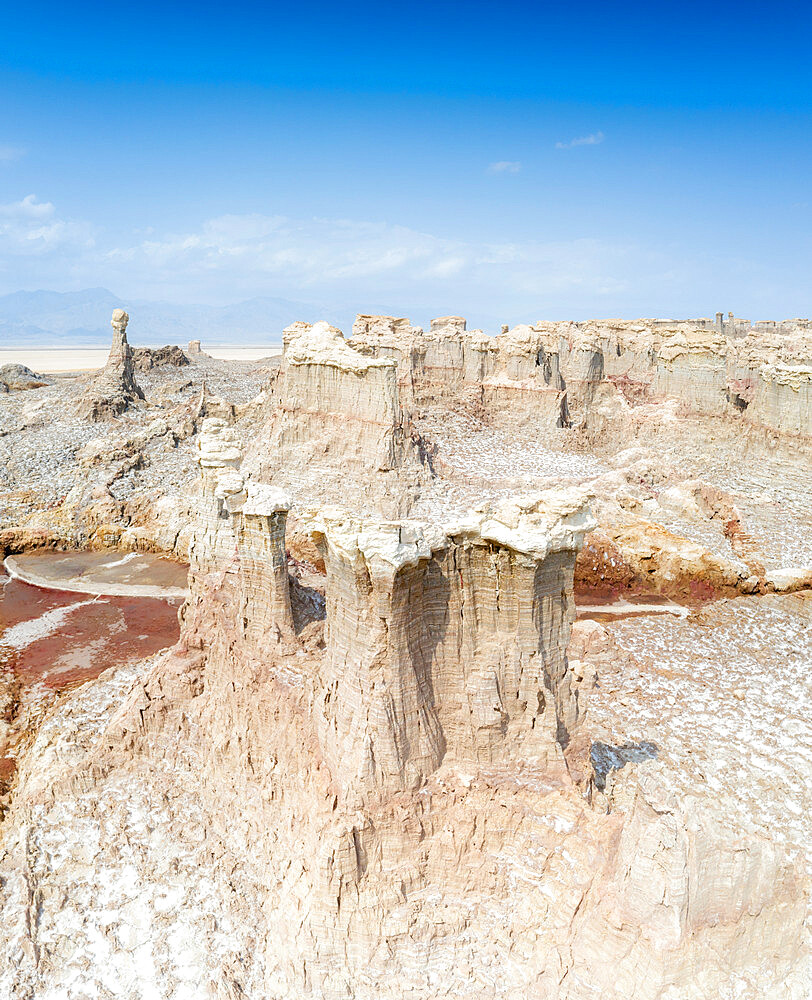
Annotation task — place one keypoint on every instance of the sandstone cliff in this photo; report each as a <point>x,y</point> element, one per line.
<point>408,776</point>
<point>333,410</point>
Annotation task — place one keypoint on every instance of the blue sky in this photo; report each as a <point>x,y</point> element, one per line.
<point>510,162</point>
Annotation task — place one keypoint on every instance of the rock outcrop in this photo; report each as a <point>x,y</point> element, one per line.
<point>114,389</point>
<point>447,641</point>
<point>145,358</point>
<point>16,377</point>
<point>338,405</point>
<point>402,776</point>
<point>513,376</point>
<point>383,758</point>
<point>334,412</point>
<point>764,377</point>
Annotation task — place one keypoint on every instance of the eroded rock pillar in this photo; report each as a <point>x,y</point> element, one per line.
<point>448,643</point>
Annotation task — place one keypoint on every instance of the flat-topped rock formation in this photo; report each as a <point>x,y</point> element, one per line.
<point>332,411</point>
<point>421,752</point>
<point>338,405</point>
<point>448,641</point>
<point>521,370</point>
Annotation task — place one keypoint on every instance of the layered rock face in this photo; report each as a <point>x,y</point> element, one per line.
<point>402,780</point>
<point>331,412</point>
<point>526,383</point>
<point>515,375</point>
<point>448,642</point>
<point>783,398</point>
<point>558,373</point>
<point>334,404</point>
<point>694,368</point>
<point>114,388</point>
<point>764,377</point>
<point>430,364</point>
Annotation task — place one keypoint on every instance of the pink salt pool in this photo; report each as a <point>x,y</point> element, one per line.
<point>63,638</point>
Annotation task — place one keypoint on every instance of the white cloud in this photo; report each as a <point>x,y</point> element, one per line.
<point>350,261</point>
<point>585,140</point>
<point>505,167</point>
<point>31,227</point>
<point>351,265</point>
<point>10,153</point>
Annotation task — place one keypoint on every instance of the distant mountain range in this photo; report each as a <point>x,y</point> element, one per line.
<point>72,319</point>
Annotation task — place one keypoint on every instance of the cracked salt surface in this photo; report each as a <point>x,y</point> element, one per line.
<point>726,696</point>
<point>481,450</point>
<point>479,463</point>
<point>123,907</point>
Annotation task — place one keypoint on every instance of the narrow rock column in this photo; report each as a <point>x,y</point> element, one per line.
<point>114,388</point>
<point>120,359</point>
<point>242,531</point>
<point>263,562</point>
<point>378,723</point>
<point>219,454</point>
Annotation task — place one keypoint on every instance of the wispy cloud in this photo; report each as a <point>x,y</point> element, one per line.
<point>585,140</point>
<point>505,167</point>
<point>346,262</point>
<point>10,153</point>
<point>353,260</point>
<point>31,227</point>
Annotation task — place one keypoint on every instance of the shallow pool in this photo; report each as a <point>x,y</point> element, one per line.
<point>62,638</point>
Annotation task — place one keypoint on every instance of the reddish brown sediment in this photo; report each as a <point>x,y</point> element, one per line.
<point>94,636</point>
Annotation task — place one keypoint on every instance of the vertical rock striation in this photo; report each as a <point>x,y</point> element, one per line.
<point>448,641</point>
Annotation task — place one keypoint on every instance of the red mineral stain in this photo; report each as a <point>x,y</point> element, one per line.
<point>90,635</point>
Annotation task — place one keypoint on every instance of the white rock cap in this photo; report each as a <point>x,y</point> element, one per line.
<point>323,344</point>
<point>264,499</point>
<point>535,525</point>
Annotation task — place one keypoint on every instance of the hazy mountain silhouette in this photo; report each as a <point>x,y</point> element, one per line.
<point>64,319</point>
